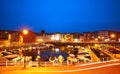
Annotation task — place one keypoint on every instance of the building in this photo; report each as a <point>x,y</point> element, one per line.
<point>7,37</point>
<point>30,37</point>
<point>76,37</point>
<point>67,37</point>
<point>103,36</point>
<point>113,36</point>
<point>56,37</point>
<point>118,36</point>
<point>87,36</point>
<point>48,37</point>
<point>93,37</point>
<point>39,38</point>
<point>107,36</point>
<point>11,38</point>
<point>81,38</point>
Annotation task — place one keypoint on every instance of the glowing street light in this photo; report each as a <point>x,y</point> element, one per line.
<point>57,49</point>
<point>25,31</point>
<point>99,37</point>
<point>112,35</point>
<point>102,37</point>
<point>96,39</point>
<point>96,45</point>
<point>75,40</point>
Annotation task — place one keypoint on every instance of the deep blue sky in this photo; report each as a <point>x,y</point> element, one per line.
<point>60,15</point>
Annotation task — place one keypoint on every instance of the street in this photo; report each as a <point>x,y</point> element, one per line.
<point>109,67</point>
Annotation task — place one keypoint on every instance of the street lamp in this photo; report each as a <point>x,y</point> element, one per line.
<point>75,40</point>
<point>25,32</point>
<point>99,37</point>
<point>112,35</point>
<point>96,39</point>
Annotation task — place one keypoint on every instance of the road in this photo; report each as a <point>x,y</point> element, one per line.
<point>92,68</point>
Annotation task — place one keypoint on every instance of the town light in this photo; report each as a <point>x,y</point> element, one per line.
<point>9,37</point>
<point>107,40</point>
<point>99,37</point>
<point>96,45</point>
<point>112,35</point>
<point>102,37</point>
<point>118,39</point>
<point>25,31</point>
<point>52,37</point>
<point>57,37</point>
<point>57,49</point>
<point>96,39</point>
<point>75,40</point>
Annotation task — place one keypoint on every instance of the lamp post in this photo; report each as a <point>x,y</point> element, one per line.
<point>113,37</point>
<point>25,32</point>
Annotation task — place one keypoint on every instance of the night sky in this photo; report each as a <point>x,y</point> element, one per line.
<point>60,15</point>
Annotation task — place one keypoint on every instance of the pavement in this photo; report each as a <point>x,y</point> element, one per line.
<point>109,67</point>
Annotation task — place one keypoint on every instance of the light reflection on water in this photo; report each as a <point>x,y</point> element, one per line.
<point>45,54</point>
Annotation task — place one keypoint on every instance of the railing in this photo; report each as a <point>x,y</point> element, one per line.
<point>47,64</point>
<point>10,63</point>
